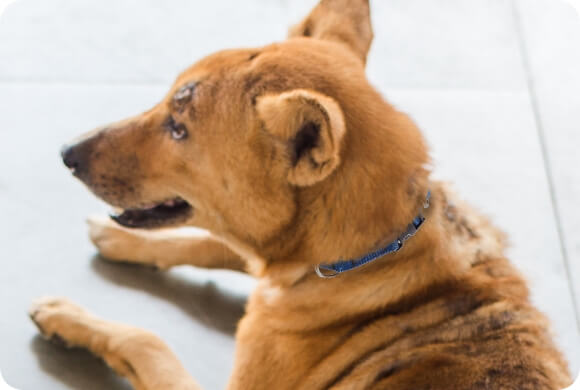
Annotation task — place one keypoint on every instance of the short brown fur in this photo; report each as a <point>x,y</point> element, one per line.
<point>291,158</point>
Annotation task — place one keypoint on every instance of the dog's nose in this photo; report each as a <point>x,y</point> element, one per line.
<point>77,155</point>
<point>68,157</point>
<point>75,158</point>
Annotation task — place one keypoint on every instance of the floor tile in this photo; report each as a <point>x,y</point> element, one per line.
<point>445,44</point>
<point>458,43</point>
<point>551,30</point>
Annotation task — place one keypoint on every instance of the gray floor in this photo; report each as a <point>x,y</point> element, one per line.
<point>494,84</point>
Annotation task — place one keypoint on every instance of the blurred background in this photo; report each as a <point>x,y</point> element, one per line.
<point>493,84</point>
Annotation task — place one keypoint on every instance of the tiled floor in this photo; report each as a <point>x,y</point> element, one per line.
<point>493,84</point>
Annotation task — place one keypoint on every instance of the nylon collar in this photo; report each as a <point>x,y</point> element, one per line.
<point>331,270</point>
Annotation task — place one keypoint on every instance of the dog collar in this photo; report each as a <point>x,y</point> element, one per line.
<point>335,269</point>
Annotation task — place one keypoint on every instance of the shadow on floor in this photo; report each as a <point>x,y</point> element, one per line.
<point>76,368</point>
<point>203,302</point>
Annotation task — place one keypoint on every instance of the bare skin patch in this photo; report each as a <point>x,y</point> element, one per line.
<point>183,96</point>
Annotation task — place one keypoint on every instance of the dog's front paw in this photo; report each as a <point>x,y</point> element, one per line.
<point>113,241</point>
<point>54,318</point>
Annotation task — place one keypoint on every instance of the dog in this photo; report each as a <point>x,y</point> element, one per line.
<point>371,275</point>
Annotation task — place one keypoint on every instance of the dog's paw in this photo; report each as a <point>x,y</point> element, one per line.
<point>54,317</point>
<point>113,241</point>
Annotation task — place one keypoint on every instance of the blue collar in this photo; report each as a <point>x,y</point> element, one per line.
<point>334,269</point>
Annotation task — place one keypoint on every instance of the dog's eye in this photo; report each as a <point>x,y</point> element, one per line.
<point>177,130</point>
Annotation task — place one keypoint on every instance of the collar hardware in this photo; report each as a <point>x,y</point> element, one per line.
<point>327,271</point>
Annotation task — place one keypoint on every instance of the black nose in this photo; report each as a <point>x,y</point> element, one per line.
<point>68,156</point>
<point>75,157</point>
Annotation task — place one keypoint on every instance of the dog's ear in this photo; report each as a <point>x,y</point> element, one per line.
<point>311,125</point>
<point>344,21</point>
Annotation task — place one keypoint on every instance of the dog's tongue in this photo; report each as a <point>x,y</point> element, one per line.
<point>169,203</point>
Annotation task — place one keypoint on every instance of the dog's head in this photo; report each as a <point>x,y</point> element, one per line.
<point>253,144</point>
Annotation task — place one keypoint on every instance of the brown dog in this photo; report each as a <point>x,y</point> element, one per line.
<point>291,160</point>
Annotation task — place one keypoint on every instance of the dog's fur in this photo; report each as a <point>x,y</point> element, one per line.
<point>290,158</point>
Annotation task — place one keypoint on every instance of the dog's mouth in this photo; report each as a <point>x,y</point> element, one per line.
<point>166,213</point>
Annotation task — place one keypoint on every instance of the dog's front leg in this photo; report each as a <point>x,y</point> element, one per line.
<point>133,353</point>
<point>162,249</point>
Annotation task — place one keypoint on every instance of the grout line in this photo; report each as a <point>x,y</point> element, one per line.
<point>525,55</point>
<point>167,84</point>
<point>91,83</point>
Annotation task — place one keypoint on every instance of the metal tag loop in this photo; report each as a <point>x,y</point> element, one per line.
<point>327,274</point>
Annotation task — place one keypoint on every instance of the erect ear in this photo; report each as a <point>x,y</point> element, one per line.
<point>311,125</point>
<point>344,21</point>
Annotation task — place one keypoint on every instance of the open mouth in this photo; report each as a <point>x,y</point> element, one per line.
<point>166,213</point>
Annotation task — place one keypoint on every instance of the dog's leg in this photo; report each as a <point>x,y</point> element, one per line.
<point>162,249</point>
<point>133,353</point>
